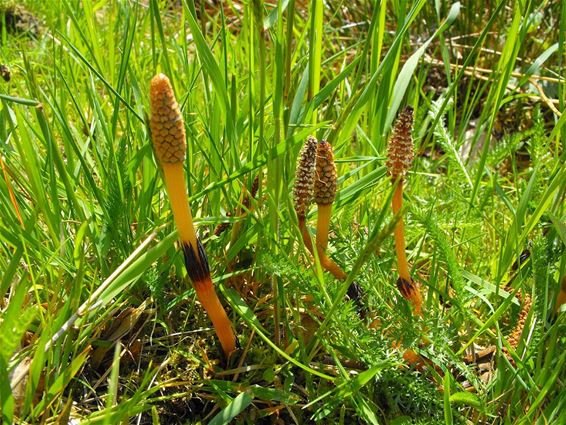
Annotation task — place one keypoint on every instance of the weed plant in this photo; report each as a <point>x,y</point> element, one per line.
<point>98,320</point>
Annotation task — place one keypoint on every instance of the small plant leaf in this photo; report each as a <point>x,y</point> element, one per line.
<point>236,406</point>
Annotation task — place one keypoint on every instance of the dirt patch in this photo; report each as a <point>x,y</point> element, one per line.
<point>18,20</point>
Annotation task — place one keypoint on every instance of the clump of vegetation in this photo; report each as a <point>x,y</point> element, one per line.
<point>98,322</point>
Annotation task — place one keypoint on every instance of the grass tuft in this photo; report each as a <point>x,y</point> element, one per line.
<point>98,321</point>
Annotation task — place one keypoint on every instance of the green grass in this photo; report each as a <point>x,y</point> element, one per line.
<point>98,321</point>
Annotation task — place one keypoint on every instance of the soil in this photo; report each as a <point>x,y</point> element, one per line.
<point>18,20</point>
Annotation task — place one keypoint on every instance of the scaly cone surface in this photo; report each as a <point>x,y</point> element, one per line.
<point>166,123</point>
<point>400,150</point>
<point>326,176</point>
<point>304,176</point>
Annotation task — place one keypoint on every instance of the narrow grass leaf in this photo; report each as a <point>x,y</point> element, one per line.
<point>465,398</point>
<point>410,65</point>
<point>236,406</point>
<point>247,314</point>
<point>448,417</point>
<point>211,67</point>
<point>19,100</point>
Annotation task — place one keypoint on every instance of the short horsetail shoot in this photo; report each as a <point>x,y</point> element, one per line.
<point>399,160</point>
<point>316,177</point>
<point>324,195</point>
<point>168,138</point>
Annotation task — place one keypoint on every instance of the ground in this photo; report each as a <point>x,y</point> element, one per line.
<point>99,321</point>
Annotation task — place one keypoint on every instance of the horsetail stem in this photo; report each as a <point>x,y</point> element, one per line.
<point>324,195</point>
<point>168,138</point>
<point>316,175</point>
<point>399,160</point>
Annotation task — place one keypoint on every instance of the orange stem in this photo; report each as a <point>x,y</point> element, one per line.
<point>323,225</point>
<point>322,230</point>
<point>402,263</point>
<point>305,234</point>
<point>330,265</point>
<point>405,283</point>
<point>325,262</point>
<point>174,176</point>
<point>222,325</point>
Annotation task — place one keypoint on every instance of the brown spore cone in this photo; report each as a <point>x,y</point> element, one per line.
<point>302,192</point>
<point>400,150</point>
<point>515,336</point>
<point>326,176</point>
<point>166,123</point>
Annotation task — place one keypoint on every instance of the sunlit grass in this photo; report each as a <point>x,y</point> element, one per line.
<point>98,320</point>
